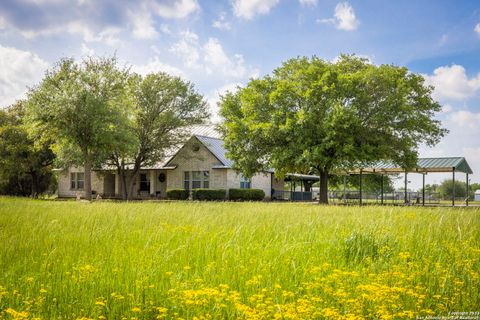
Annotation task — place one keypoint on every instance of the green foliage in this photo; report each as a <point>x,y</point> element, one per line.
<point>246,194</point>
<point>315,116</point>
<point>446,189</point>
<point>25,167</point>
<point>82,108</point>
<point>370,182</point>
<point>163,107</point>
<point>177,194</point>
<point>209,194</point>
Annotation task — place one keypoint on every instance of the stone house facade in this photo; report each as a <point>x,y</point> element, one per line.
<point>200,163</point>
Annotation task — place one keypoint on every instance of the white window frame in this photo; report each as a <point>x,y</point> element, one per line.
<point>75,180</point>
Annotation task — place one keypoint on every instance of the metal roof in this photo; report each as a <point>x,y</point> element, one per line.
<point>217,148</point>
<point>459,164</point>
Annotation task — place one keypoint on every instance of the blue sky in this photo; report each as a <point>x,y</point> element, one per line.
<point>221,44</point>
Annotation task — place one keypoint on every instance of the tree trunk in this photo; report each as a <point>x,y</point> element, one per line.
<point>88,176</point>
<point>34,184</point>
<point>323,192</point>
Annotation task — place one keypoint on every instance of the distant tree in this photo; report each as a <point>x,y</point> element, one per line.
<point>430,188</point>
<point>25,167</point>
<point>163,108</point>
<point>82,108</point>
<point>314,116</point>
<point>446,189</point>
<point>370,182</point>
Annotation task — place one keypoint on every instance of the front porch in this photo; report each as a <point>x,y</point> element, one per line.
<point>150,184</point>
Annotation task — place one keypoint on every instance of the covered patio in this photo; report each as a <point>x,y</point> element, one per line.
<point>425,166</point>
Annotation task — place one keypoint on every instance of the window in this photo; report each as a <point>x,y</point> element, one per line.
<point>186,180</point>
<point>77,180</point>
<point>245,183</point>
<point>144,182</point>
<point>200,179</point>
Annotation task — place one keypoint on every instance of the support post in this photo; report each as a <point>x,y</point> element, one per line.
<point>468,193</point>
<point>406,186</point>
<point>382,191</point>
<point>423,189</point>
<point>453,188</point>
<point>344,188</point>
<point>361,202</point>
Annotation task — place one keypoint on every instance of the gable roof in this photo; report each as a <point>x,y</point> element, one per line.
<point>216,147</point>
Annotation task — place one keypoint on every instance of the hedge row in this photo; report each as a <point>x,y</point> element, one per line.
<point>217,194</point>
<point>246,194</point>
<point>209,194</point>
<point>177,194</point>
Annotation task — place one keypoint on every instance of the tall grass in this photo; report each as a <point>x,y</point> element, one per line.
<point>107,260</point>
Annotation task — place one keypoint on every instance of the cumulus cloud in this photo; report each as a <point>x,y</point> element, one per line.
<point>452,82</point>
<point>91,19</point>
<point>477,29</point>
<point>466,118</point>
<point>19,70</point>
<point>344,17</point>
<point>155,65</point>
<point>210,57</point>
<point>222,23</point>
<point>310,3</point>
<point>142,23</point>
<point>248,9</point>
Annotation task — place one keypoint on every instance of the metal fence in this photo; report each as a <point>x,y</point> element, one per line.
<point>353,197</point>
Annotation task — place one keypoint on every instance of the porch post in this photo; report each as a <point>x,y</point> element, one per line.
<point>406,185</point>
<point>468,193</point>
<point>453,189</point>
<point>361,202</point>
<point>118,185</point>
<point>382,191</point>
<point>423,189</point>
<point>153,182</point>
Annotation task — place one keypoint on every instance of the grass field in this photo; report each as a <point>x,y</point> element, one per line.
<point>142,260</point>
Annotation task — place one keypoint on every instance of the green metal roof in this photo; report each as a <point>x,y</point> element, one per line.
<point>425,165</point>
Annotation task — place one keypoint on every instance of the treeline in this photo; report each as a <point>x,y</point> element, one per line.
<point>94,113</point>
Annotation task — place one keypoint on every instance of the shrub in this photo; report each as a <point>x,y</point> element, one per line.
<point>246,194</point>
<point>209,194</point>
<point>177,194</point>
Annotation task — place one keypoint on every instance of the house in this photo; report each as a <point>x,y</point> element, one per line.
<point>200,163</point>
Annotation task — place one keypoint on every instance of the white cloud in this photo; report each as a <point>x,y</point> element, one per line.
<point>155,65</point>
<point>465,118</point>
<point>247,9</point>
<point>310,3</point>
<point>477,29</point>
<point>142,23</point>
<point>175,9</point>
<point>451,82</point>
<point>86,51</point>
<point>344,17</point>
<point>19,69</point>
<point>216,60</point>
<point>187,49</point>
<point>222,23</point>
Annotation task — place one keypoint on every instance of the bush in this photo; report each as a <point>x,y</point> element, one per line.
<point>209,194</point>
<point>177,194</point>
<point>246,194</point>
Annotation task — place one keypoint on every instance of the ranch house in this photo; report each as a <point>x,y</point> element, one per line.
<point>200,163</point>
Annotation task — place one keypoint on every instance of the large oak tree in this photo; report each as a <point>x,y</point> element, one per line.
<point>315,116</point>
<point>81,108</point>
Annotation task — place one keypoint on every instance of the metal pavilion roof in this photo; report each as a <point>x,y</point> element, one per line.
<point>424,165</point>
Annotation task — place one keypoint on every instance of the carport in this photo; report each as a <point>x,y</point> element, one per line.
<point>424,166</point>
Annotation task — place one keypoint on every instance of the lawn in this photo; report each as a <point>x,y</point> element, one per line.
<point>147,260</point>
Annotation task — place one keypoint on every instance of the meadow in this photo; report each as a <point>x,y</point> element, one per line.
<point>198,260</point>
